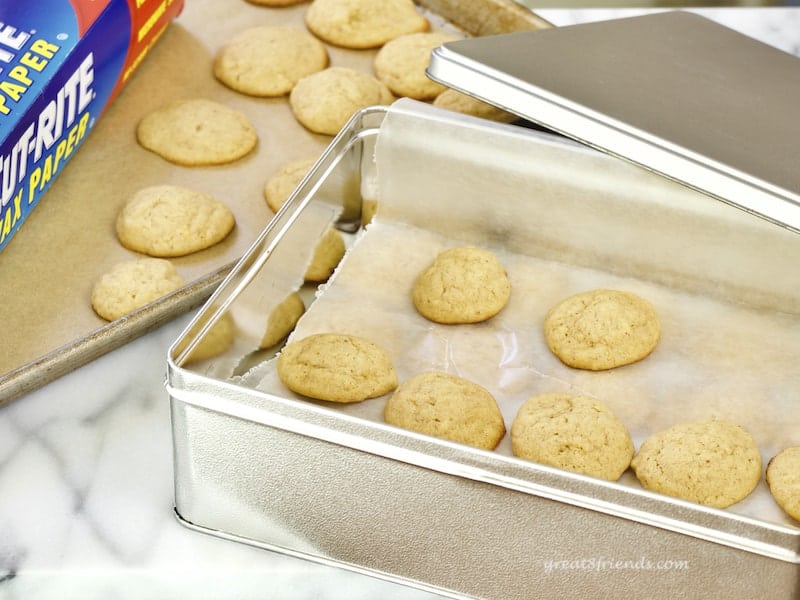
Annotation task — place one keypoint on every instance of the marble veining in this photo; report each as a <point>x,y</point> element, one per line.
<point>86,472</point>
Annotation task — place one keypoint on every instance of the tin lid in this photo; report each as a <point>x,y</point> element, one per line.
<point>673,92</point>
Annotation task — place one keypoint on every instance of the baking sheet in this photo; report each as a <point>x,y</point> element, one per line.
<point>69,241</point>
<point>730,329</point>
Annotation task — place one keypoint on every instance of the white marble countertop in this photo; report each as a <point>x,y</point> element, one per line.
<point>86,488</point>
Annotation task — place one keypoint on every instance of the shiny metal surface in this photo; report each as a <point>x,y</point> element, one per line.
<point>300,478</point>
<point>673,92</point>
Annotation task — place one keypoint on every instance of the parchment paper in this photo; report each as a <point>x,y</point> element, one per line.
<point>728,310</point>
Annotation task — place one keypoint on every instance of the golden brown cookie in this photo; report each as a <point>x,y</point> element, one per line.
<point>216,341</point>
<point>602,329</point>
<point>462,285</point>
<point>282,320</point>
<point>783,479</point>
<point>283,182</point>
<point>449,407</point>
<point>455,101</point>
<point>336,367</point>
<point>197,132</point>
<point>715,463</point>
<point>324,101</point>
<point>402,62</point>
<point>574,433</point>
<point>328,253</point>
<point>268,61</point>
<point>170,220</point>
<point>363,24</point>
<point>133,284</point>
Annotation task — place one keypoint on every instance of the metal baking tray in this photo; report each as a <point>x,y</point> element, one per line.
<point>259,465</point>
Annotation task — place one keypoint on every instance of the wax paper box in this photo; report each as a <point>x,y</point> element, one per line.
<point>62,62</point>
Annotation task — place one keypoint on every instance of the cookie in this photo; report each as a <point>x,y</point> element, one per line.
<point>133,284</point>
<point>362,24</point>
<point>170,220</point>
<point>449,407</point>
<point>276,3</point>
<point>324,101</point>
<point>602,329</point>
<point>282,319</point>
<point>217,340</point>
<point>783,479</point>
<point>455,101</point>
<point>574,433</point>
<point>715,463</point>
<point>337,368</point>
<point>268,61</point>
<point>328,253</point>
<point>462,285</point>
<point>402,62</point>
<point>197,132</point>
<point>283,182</point>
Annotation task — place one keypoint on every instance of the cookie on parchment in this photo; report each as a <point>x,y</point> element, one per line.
<point>362,24</point>
<point>449,407</point>
<point>197,132</point>
<point>783,479</point>
<point>218,339</point>
<point>283,182</point>
<point>282,319</point>
<point>323,102</point>
<point>133,284</point>
<point>602,329</point>
<point>574,433</point>
<point>462,285</point>
<point>336,367</point>
<point>328,253</point>
<point>267,61</point>
<point>170,220</point>
<point>715,463</point>
<point>401,64</point>
<point>456,101</point>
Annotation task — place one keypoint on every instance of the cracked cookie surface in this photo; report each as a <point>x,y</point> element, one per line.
<point>602,329</point>
<point>783,479</point>
<point>462,285</point>
<point>574,433</point>
<point>715,463</point>
<point>449,407</point>
<point>336,367</point>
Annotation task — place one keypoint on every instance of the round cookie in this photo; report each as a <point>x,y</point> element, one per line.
<point>197,132</point>
<point>574,433</point>
<point>282,320</point>
<point>132,284</point>
<point>462,285</point>
<point>401,64</point>
<point>217,339</point>
<point>362,24</point>
<point>449,407</point>
<point>456,101</point>
<point>283,182</point>
<point>783,479</point>
<point>267,61</point>
<point>715,463</point>
<point>336,367</point>
<point>327,255</point>
<point>324,101</point>
<point>169,220</point>
<point>602,329</point>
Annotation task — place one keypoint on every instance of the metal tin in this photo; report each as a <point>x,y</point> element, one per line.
<point>673,92</point>
<point>303,479</point>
